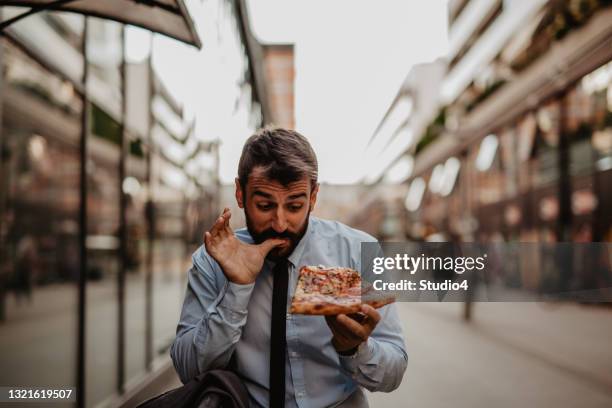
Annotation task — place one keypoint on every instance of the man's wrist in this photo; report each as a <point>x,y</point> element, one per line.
<point>238,281</point>
<point>363,355</point>
<point>237,278</point>
<point>344,351</point>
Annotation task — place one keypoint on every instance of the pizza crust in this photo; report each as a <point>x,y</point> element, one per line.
<point>378,303</point>
<point>307,308</point>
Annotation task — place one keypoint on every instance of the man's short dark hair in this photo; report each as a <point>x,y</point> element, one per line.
<point>284,155</point>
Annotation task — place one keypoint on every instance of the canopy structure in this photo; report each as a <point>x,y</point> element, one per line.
<point>167,17</point>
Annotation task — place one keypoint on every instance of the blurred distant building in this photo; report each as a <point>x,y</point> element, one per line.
<point>335,201</point>
<point>392,147</point>
<point>274,66</point>
<point>278,61</point>
<point>168,192</point>
<point>414,106</point>
<point>521,145</point>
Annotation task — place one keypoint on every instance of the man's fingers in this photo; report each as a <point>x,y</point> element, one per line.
<point>358,331</point>
<point>268,244</point>
<point>371,313</point>
<point>217,226</point>
<point>358,317</point>
<point>221,224</point>
<point>227,214</point>
<point>338,330</point>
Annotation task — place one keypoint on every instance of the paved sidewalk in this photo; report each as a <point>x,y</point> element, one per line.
<point>510,355</point>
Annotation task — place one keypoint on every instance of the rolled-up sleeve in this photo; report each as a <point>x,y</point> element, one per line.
<point>380,362</point>
<point>213,315</point>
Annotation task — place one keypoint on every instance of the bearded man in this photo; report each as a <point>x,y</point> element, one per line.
<point>235,315</point>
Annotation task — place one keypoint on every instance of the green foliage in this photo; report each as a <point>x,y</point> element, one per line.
<point>490,90</point>
<point>433,131</point>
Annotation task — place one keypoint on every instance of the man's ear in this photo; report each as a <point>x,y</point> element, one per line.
<point>313,196</point>
<point>239,195</point>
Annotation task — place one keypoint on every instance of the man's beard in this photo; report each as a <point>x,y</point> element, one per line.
<point>277,253</point>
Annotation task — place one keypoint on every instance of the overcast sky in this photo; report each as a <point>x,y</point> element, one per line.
<point>351,58</point>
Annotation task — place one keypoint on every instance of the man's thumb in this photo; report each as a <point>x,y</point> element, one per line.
<point>268,244</point>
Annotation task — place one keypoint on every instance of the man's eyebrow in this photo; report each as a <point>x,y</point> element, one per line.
<point>261,193</point>
<point>298,195</point>
<point>269,196</point>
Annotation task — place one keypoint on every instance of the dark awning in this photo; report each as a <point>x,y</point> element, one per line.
<point>168,17</point>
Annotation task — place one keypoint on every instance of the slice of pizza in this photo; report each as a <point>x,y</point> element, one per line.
<point>330,291</point>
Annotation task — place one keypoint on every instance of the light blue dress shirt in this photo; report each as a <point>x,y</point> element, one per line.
<point>220,318</point>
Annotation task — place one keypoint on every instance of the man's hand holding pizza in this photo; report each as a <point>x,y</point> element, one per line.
<point>241,263</point>
<point>349,331</point>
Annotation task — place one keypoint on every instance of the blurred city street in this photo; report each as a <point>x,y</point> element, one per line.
<point>474,128</point>
<point>510,355</point>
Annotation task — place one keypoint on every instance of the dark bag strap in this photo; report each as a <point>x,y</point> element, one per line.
<point>212,389</point>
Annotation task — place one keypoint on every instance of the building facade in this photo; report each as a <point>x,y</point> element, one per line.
<point>148,196</point>
<point>521,146</point>
<point>528,130</point>
<point>278,61</point>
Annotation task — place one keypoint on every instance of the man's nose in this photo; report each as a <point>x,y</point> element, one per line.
<point>279,223</point>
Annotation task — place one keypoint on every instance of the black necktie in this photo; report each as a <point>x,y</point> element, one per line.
<point>278,341</point>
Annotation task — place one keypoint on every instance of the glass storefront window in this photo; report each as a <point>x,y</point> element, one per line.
<point>24,74</point>
<point>537,147</point>
<point>525,135</point>
<point>507,141</point>
<point>548,118</point>
<point>135,187</point>
<point>103,267</point>
<point>602,143</point>
<point>170,264</point>
<point>40,202</point>
<point>598,86</point>
<point>546,167</point>
<point>489,171</point>
<point>103,214</point>
<point>39,260</point>
<point>590,126</point>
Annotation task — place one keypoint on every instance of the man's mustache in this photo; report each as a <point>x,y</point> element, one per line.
<point>270,233</point>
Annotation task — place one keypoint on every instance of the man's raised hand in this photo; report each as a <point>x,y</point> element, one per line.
<point>350,331</point>
<point>240,262</point>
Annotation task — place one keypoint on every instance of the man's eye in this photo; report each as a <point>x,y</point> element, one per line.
<point>264,207</point>
<point>295,207</point>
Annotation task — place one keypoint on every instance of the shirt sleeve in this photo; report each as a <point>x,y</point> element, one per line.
<point>213,315</point>
<point>380,362</point>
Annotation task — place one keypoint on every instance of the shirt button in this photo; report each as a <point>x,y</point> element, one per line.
<point>301,394</point>
<point>288,317</point>
<point>293,354</point>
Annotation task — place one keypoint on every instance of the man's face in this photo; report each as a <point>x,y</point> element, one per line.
<point>276,211</point>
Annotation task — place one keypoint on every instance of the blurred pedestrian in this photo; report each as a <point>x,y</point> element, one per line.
<point>26,261</point>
